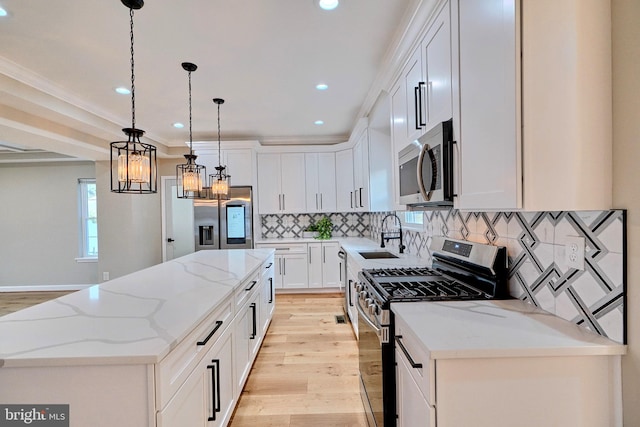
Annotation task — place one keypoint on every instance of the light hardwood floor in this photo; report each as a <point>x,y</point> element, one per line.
<point>14,301</point>
<point>306,373</point>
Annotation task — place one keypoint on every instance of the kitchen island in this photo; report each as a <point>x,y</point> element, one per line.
<point>503,363</point>
<point>139,350</point>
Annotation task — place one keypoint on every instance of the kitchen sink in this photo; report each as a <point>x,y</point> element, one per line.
<point>377,255</point>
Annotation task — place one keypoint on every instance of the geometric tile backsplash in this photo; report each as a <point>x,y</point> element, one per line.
<point>538,272</point>
<point>292,225</point>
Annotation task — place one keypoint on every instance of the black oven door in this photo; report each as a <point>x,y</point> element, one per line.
<point>370,361</point>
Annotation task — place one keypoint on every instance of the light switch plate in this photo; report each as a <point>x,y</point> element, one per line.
<point>574,252</point>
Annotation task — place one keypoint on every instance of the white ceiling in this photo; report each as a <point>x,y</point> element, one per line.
<point>60,61</point>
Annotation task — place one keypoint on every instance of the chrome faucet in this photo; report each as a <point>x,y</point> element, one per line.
<point>385,237</point>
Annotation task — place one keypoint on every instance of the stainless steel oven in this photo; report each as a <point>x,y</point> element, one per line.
<point>425,168</point>
<point>460,271</point>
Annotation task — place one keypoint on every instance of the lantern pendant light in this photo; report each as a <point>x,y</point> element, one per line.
<point>190,177</point>
<point>220,180</point>
<point>134,166</point>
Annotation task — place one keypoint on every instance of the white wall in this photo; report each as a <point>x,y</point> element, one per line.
<point>39,225</point>
<point>129,225</point>
<point>626,181</point>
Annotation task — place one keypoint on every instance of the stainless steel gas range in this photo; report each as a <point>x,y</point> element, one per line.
<point>460,270</point>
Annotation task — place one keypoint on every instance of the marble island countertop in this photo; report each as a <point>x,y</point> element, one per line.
<point>498,328</point>
<point>135,319</point>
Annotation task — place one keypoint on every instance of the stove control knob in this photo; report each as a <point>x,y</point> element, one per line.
<point>373,309</point>
<point>363,295</point>
<point>368,301</point>
<point>359,287</point>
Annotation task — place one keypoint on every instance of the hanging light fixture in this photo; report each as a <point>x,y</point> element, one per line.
<point>134,167</point>
<point>220,180</point>
<point>190,177</point>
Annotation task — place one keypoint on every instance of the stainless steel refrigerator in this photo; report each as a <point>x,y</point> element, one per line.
<point>225,224</point>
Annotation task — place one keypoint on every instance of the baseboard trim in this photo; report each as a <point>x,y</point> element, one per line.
<point>42,288</point>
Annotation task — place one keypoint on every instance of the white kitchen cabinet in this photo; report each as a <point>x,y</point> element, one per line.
<point>291,264</point>
<point>320,178</point>
<point>246,337</point>
<point>412,77</point>
<point>324,266</point>
<point>207,397</point>
<point>344,180</point>
<point>239,163</point>
<point>535,123</point>
<point>411,404</point>
<point>361,172</point>
<point>281,183</point>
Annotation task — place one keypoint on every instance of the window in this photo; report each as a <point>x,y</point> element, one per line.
<point>412,219</point>
<point>88,218</point>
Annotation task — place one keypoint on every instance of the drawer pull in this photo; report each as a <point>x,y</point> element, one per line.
<point>254,322</point>
<point>215,388</point>
<point>253,283</point>
<point>204,342</point>
<point>406,353</point>
<point>268,266</point>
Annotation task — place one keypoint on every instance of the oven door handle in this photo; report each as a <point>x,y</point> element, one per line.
<point>366,319</point>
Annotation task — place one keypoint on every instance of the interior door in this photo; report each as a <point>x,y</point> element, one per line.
<point>177,222</point>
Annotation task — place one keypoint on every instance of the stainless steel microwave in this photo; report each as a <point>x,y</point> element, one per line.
<point>426,169</point>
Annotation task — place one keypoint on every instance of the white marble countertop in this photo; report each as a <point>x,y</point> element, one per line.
<point>135,319</point>
<point>498,328</point>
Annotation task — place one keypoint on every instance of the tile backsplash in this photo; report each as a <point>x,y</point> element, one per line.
<point>292,225</point>
<point>537,245</point>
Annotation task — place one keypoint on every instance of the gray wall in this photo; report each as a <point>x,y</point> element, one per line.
<point>626,179</point>
<point>39,227</point>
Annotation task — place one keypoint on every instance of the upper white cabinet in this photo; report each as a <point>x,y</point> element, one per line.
<point>320,170</point>
<point>361,172</point>
<point>535,105</point>
<point>239,163</point>
<point>425,82</point>
<point>344,180</point>
<point>281,183</point>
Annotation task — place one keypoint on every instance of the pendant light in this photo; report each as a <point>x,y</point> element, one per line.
<point>133,163</point>
<point>190,177</point>
<point>220,180</point>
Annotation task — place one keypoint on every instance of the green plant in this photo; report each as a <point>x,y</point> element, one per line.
<point>324,227</point>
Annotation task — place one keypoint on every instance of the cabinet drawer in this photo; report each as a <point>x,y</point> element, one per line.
<point>285,248</point>
<point>175,368</point>
<point>422,370</point>
<point>247,289</point>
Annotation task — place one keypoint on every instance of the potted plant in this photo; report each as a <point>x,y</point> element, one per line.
<point>310,231</point>
<point>324,227</point>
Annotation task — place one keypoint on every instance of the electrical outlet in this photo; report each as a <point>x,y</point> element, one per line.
<point>574,252</point>
<point>105,275</point>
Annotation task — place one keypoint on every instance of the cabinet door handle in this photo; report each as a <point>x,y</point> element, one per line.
<point>208,337</point>
<point>254,322</point>
<point>416,107</point>
<point>283,203</point>
<point>309,255</point>
<point>253,283</point>
<point>215,388</point>
<point>270,290</point>
<point>268,266</point>
<point>284,266</point>
<point>361,205</point>
<point>324,255</point>
<point>422,124</point>
<point>351,199</point>
<point>316,201</point>
<point>340,273</point>
<point>406,353</point>
<point>320,200</point>
<point>350,301</point>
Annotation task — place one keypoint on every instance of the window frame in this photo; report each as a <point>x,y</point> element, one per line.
<point>84,201</point>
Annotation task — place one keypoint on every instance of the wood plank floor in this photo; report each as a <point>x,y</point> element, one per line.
<point>306,373</point>
<point>14,301</point>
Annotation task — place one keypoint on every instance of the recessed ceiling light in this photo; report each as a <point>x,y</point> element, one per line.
<point>178,125</point>
<point>3,12</point>
<point>328,4</point>
<point>319,122</point>
<point>322,86</point>
<point>123,90</point>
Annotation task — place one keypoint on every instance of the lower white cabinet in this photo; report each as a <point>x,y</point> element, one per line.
<point>324,265</point>
<point>410,402</point>
<point>291,271</point>
<point>246,337</point>
<point>207,397</point>
<point>268,295</point>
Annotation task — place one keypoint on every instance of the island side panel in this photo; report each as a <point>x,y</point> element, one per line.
<point>563,391</point>
<point>98,396</point>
